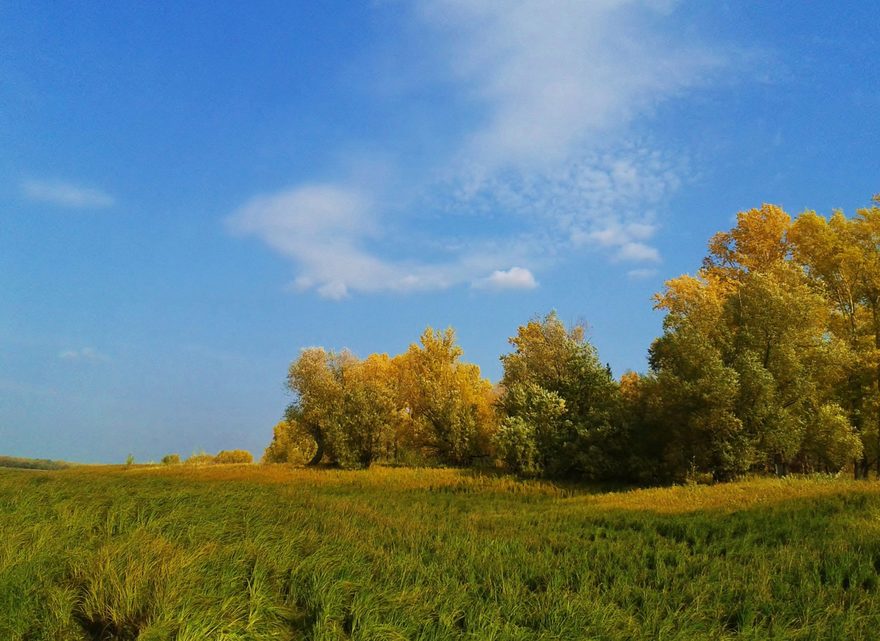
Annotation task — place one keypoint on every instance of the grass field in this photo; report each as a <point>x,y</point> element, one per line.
<point>255,552</point>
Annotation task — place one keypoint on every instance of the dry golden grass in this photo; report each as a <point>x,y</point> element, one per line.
<point>679,499</point>
<point>731,497</point>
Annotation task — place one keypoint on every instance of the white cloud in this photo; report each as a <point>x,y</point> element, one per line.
<point>321,226</point>
<point>326,228</point>
<point>334,290</point>
<point>637,252</point>
<point>513,278</point>
<point>558,82</point>
<point>84,354</point>
<point>64,194</point>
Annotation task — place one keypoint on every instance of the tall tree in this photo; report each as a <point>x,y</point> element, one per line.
<point>842,257</point>
<point>746,354</point>
<point>694,388</point>
<point>561,404</point>
<point>448,402</point>
<point>345,404</point>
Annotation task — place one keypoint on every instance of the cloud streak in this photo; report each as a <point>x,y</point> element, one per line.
<point>553,88</point>
<point>83,355</point>
<point>551,74</point>
<point>65,194</point>
<point>323,227</point>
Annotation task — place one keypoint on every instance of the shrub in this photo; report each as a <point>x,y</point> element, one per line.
<point>32,463</point>
<point>200,458</point>
<point>830,441</point>
<point>517,446</point>
<point>171,459</point>
<point>290,444</point>
<point>234,456</point>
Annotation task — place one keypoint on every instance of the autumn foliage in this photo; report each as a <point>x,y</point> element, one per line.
<point>225,457</point>
<point>423,405</point>
<point>769,361</point>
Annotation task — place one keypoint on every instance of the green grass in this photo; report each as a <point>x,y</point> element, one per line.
<point>252,552</point>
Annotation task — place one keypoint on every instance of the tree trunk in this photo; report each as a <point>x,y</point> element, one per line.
<point>319,453</point>
<point>878,454</point>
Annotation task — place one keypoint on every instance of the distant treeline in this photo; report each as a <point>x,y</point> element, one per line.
<point>32,463</point>
<point>223,457</point>
<point>769,362</point>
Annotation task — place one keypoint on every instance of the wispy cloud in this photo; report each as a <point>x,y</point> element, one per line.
<point>83,355</point>
<point>65,194</point>
<point>554,88</point>
<point>322,227</point>
<point>603,200</point>
<point>641,273</point>
<point>552,74</point>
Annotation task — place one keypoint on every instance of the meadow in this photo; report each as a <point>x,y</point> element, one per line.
<point>272,552</point>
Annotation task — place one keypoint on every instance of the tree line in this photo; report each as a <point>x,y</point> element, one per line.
<point>769,361</point>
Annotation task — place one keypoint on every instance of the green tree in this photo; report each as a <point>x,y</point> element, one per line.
<point>529,434</point>
<point>560,403</point>
<point>694,420</point>
<point>746,362</point>
<point>830,442</point>
<point>342,405</point>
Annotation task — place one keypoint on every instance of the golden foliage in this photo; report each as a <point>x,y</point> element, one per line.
<point>234,457</point>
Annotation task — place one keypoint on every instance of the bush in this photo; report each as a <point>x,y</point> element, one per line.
<point>200,458</point>
<point>290,444</point>
<point>517,446</point>
<point>830,441</point>
<point>234,456</point>
<point>32,463</point>
<point>171,459</point>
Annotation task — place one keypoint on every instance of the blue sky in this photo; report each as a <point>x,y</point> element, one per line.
<point>192,192</point>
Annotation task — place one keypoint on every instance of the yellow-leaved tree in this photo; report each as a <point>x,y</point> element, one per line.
<point>449,406</point>
<point>842,258</point>
<point>345,404</point>
<point>290,444</point>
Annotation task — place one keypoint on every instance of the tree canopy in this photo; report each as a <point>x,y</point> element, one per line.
<point>769,361</point>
